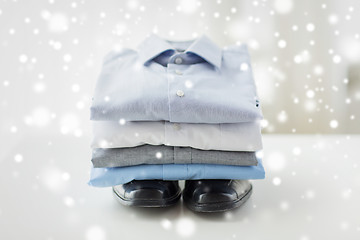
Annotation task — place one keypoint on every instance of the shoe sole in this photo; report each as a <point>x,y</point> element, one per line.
<point>149,203</point>
<point>217,207</point>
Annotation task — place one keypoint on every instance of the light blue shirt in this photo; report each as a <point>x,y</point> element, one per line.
<point>191,81</point>
<point>107,177</point>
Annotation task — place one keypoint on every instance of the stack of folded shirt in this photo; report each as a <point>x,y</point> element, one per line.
<point>175,110</point>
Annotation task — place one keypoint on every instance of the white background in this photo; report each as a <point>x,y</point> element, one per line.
<point>305,56</point>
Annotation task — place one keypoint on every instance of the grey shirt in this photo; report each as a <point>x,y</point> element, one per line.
<point>161,154</point>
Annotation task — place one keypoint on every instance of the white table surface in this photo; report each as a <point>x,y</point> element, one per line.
<point>311,191</point>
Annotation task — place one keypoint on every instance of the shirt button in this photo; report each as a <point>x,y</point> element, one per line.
<point>178,72</point>
<point>180,93</point>
<point>176,126</point>
<point>178,60</point>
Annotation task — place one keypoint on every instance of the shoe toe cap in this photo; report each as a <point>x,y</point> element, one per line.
<point>146,194</point>
<point>148,190</point>
<point>214,197</point>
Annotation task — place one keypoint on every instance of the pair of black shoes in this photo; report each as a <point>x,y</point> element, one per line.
<point>198,195</point>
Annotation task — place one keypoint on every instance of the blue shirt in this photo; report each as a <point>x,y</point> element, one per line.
<point>178,81</point>
<point>107,177</point>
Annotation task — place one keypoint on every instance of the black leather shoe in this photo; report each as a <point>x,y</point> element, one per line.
<point>215,195</point>
<point>148,193</point>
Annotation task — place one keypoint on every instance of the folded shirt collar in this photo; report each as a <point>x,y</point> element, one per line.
<point>202,46</point>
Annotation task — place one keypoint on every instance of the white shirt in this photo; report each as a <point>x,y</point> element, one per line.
<point>227,137</point>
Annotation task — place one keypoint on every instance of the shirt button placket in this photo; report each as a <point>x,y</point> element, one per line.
<point>177,71</point>
<point>179,92</point>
